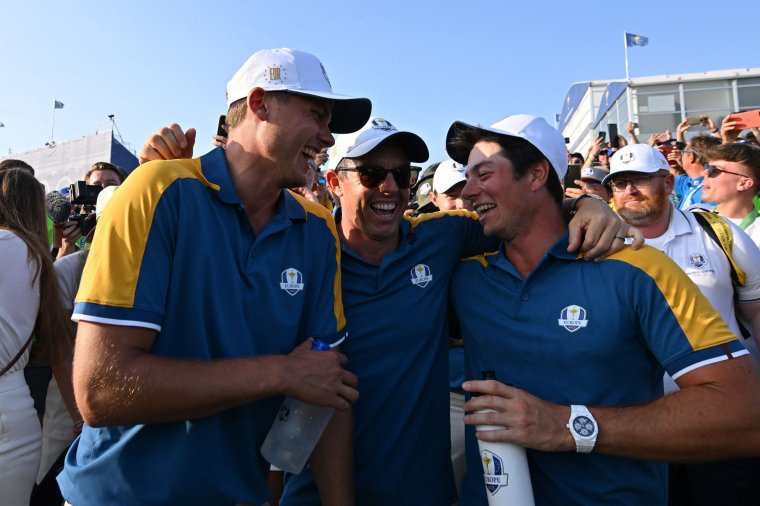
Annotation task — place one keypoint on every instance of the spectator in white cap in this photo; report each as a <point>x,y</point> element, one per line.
<point>728,274</point>
<point>578,365</point>
<point>215,285</point>
<point>448,182</point>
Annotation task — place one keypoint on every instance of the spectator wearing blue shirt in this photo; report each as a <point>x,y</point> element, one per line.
<point>688,187</point>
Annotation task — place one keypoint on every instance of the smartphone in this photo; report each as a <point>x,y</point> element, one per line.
<point>567,140</point>
<point>635,125</point>
<point>666,149</point>
<point>694,121</point>
<point>745,120</point>
<point>573,173</point>
<point>602,135</point>
<point>221,126</point>
<point>613,130</point>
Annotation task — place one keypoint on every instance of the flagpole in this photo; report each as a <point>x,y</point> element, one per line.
<point>627,79</point>
<point>52,127</point>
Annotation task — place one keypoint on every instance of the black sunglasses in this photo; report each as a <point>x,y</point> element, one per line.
<point>713,171</point>
<point>371,176</point>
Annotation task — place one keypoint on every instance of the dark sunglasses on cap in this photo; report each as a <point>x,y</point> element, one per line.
<point>371,176</point>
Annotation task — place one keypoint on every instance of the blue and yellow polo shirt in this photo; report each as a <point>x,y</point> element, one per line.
<point>576,332</point>
<point>175,253</point>
<point>398,348</point>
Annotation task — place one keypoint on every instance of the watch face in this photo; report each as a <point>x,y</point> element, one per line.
<point>584,426</point>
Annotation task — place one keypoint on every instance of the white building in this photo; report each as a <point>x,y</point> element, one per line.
<point>57,165</point>
<point>658,103</point>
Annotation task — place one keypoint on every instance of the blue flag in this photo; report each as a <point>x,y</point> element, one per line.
<point>58,105</point>
<point>631,39</point>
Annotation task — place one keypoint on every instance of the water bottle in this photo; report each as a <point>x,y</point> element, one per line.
<point>296,430</point>
<point>505,467</point>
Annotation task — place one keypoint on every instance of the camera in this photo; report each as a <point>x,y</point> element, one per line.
<point>83,193</point>
<point>83,198</point>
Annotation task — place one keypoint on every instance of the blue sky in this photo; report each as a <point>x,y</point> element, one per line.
<point>424,64</point>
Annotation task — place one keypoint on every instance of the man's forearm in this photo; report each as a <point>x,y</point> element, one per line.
<point>704,422</point>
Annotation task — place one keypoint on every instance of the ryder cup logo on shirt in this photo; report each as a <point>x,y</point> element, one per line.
<point>493,472</point>
<point>421,275</point>
<point>572,318</point>
<point>291,280</point>
<point>697,260</point>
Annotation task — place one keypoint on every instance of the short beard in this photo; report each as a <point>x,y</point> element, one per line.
<point>646,215</point>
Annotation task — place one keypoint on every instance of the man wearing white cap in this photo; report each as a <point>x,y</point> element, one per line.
<point>580,357</point>
<point>390,263</point>
<point>205,282</point>
<point>642,184</point>
<point>448,182</point>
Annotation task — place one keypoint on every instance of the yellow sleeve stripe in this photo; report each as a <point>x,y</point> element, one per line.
<point>323,213</point>
<point>700,322</point>
<point>416,220</point>
<point>481,258</point>
<point>112,271</point>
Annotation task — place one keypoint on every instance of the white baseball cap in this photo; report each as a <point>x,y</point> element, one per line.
<point>376,132</point>
<point>285,69</point>
<point>636,158</point>
<point>448,174</point>
<point>533,129</point>
<point>593,173</point>
<point>104,197</point>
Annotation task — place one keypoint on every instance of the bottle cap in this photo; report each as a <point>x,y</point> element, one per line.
<point>318,345</point>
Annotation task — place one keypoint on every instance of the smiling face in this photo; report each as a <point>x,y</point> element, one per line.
<point>644,200</point>
<point>496,192</point>
<point>297,130</point>
<point>450,200</point>
<point>725,186</point>
<point>374,213</point>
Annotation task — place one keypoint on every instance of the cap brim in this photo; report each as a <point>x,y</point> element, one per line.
<point>462,153</point>
<point>349,114</point>
<point>412,145</point>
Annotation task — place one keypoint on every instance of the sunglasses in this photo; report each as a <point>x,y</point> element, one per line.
<point>371,176</point>
<point>713,171</point>
<point>619,185</point>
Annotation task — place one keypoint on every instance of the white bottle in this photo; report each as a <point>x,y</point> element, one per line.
<point>505,468</point>
<point>296,430</point>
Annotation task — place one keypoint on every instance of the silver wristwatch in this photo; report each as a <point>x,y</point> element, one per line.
<point>583,428</point>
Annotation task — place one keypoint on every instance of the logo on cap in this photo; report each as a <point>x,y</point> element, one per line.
<point>696,260</point>
<point>425,188</point>
<point>493,472</point>
<point>276,73</point>
<point>291,280</point>
<point>381,124</point>
<point>627,157</point>
<point>421,275</point>
<point>572,318</point>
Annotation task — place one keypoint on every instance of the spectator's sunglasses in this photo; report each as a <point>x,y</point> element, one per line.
<point>370,176</point>
<point>713,171</point>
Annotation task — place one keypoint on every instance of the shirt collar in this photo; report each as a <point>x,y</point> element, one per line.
<point>217,172</point>
<point>558,250</point>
